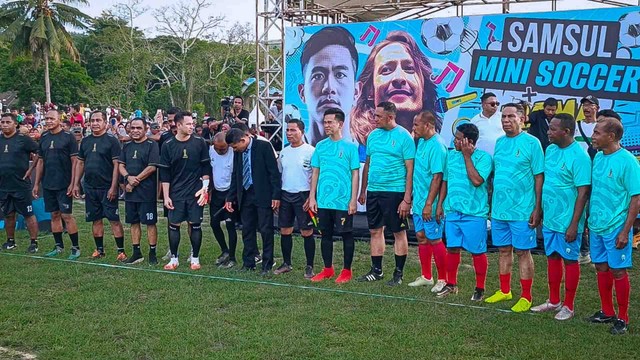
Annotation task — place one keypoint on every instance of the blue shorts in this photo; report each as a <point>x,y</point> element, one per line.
<point>513,233</point>
<point>432,230</point>
<point>554,242</point>
<point>603,249</point>
<point>467,232</point>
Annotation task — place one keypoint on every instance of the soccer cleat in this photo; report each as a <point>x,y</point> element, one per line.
<point>55,252</point>
<point>563,314</point>
<point>421,281</point>
<point>344,277</point>
<point>547,306</point>
<point>498,296</point>
<point>153,259</point>
<point>223,258</point>
<point>75,254</point>
<point>396,280</point>
<point>9,245</point>
<point>326,273</point>
<point>194,263</point>
<point>523,305</point>
<point>619,327</point>
<point>308,272</point>
<point>584,259</point>
<point>172,265</point>
<point>134,259</point>
<point>600,318</point>
<point>447,290</point>
<point>371,276</point>
<point>439,286</point>
<point>97,254</point>
<point>284,268</point>
<point>167,256</point>
<point>33,248</point>
<point>228,265</point>
<point>478,295</point>
<point>122,257</point>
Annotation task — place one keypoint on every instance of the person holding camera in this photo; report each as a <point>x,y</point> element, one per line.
<point>237,112</point>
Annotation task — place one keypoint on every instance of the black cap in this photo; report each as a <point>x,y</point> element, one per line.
<point>591,99</point>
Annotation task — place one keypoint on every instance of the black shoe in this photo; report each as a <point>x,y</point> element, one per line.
<point>265,272</point>
<point>478,295</point>
<point>33,248</point>
<point>247,269</point>
<point>284,268</point>
<point>227,265</point>
<point>258,259</point>
<point>619,327</point>
<point>136,258</point>
<point>223,258</point>
<point>600,318</point>
<point>153,259</point>
<point>9,245</point>
<point>371,276</point>
<point>397,278</point>
<point>308,272</point>
<point>447,290</point>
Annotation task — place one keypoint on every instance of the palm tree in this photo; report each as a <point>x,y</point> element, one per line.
<point>38,28</point>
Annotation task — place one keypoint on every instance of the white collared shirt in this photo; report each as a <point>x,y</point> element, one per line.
<point>490,130</point>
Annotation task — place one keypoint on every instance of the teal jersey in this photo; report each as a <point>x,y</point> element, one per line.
<point>387,151</point>
<point>431,157</point>
<point>564,171</point>
<point>462,195</point>
<point>336,160</point>
<point>615,179</point>
<point>516,161</point>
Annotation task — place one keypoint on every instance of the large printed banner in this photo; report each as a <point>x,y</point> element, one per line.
<point>446,64</point>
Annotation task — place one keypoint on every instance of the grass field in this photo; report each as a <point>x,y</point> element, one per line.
<point>101,310</point>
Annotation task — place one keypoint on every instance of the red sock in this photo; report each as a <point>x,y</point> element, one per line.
<point>480,265</point>
<point>505,283</point>
<point>605,288</point>
<point>623,290</point>
<point>554,274</point>
<point>453,261</point>
<point>526,288</point>
<point>571,280</point>
<point>440,254</point>
<point>424,253</point>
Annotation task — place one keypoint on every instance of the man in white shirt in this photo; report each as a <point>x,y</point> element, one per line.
<point>489,123</point>
<point>295,163</point>
<point>222,166</point>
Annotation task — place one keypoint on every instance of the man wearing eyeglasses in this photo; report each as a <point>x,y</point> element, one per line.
<point>488,123</point>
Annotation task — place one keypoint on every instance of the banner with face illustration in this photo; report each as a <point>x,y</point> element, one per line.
<point>446,64</point>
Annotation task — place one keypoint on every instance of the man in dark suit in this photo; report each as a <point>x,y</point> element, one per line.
<point>255,187</point>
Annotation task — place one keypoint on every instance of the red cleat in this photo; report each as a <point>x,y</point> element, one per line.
<point>326,273</point>
<point>344,277</point>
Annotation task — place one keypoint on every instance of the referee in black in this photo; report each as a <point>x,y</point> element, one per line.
<point>138,162</point>
<point>184,173</point>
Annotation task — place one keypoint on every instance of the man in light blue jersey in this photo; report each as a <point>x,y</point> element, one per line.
<point>464,195</point>
<point>614,205</point>
<point>431,157</point>
<point>567,171</point>
<point>386,187</point>
<point>334,187</point>
<point>516,207</point>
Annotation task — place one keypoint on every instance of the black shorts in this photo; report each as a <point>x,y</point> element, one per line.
<point>186,210</point>
<point>291,209</point>
<point>338,220</point>
<point>218,199</point>
<point>98,207</point>
<point>57,200</point>
<point>382,210</point>
<point>16,201</point>
<point>145,213</point>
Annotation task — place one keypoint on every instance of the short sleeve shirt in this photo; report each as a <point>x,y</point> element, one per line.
<point>335,160</point>
<point>296,168</point>
<point>516,161</point>
<point>183,160</point>
<point>98,153</point>
<point>15,153</point>
<point>387,151</point>
<point>56,151</point>
<point>136,157</point>
<point>462,195</point>
<point>431,157</point>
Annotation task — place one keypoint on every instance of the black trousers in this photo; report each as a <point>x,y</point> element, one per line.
<point>255,218</point>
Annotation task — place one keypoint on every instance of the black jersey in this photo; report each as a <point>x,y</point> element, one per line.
<point>98,153</point>
<point>15,153</point>
<point>164,137</point>
<point>136,157</point>
<point>182,164</point>
<point>56,151</point>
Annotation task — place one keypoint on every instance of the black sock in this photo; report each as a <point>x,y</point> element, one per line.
<point>233,239</point>
<point>400,260</point>
<point>286,243</point>
<point>326,247</point>
<point>196,239</point>
<point>219,235</point>
<point>376,261</point>
<point>120,244</point>
<point>349,249</point>
<point>152,249</point>
<point>57,237</point>
<point>74,240</point>
<point>11,240</point>
<point>174,239</point>
<point>136,249</point>
<point>99,243</point>
<point>34,241</point>
<point>310,249</point>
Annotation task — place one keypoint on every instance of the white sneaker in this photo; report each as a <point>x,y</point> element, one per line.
<point>172,265</point>
<point>584,259</point>
<point>547,306</point>
<point>195,263</point>
<point>564,314</point>
<point>421,281</point>
<point>439,286</point>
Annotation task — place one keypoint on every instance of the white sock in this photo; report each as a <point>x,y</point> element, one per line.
<point>195,261</point>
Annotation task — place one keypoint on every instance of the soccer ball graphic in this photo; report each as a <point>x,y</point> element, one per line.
<point>630,29</point>
<point>442,35</point>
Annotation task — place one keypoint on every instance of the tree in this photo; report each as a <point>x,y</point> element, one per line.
<point>37,28</point>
